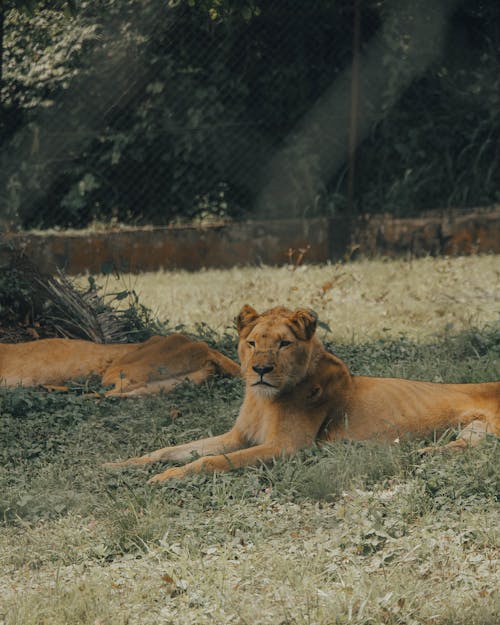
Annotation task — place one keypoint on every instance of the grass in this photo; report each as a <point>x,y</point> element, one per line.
<point>351,533</point>
<point>420,298</point>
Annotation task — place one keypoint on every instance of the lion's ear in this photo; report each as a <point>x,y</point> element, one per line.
<point>304,323</point>
<point>246,317</point>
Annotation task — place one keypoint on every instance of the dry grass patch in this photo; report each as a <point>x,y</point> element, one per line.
<point>365,299</point>
<point>270,562</point>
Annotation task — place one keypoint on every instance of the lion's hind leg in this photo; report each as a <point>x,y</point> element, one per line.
<point>471,435</point>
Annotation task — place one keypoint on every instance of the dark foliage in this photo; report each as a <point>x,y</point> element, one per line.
<point>35,305</point>
<point>152,112</point>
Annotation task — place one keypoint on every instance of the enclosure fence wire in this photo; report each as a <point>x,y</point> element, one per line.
<point>153,112</point>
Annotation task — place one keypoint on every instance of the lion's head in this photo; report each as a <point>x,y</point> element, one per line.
<point>277,348</point>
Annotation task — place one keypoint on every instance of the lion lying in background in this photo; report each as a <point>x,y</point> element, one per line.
<point>298,393</point>
<point>158,364</point>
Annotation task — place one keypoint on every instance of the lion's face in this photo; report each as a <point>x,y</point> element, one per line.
<point>275,348</point>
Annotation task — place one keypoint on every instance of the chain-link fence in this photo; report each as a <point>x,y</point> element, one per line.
<point>155,112</point>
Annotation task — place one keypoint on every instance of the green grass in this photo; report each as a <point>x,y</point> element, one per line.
<point>349,533</point>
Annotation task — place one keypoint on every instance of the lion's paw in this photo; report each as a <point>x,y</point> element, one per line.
<point>174,473</point>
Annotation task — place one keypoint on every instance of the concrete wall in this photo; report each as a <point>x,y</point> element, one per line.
<point>267,242</point>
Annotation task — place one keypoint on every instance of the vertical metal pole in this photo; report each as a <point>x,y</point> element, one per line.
<point>353,125</point>
<point>2,17</point>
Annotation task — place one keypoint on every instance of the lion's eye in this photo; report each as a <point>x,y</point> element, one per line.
<point>251,343</point>
<point>284,343</point>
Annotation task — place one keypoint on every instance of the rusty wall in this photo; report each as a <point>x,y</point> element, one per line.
<point>451,233</point>
<point>266,242</point>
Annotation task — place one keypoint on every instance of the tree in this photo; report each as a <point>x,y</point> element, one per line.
<point>149,111</point>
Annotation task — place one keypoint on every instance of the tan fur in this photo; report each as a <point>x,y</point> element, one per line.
<point>298,393</point>
<point>158,364</point>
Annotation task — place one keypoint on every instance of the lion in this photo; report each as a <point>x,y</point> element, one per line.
<point>129,369</point>
<point>297,394</point>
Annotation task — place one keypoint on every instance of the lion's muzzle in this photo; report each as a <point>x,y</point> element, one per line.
<point>261,371</point>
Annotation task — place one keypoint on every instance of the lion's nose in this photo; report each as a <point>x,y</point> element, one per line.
<point>262,370</point>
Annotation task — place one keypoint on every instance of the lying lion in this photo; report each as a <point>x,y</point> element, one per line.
<point>158,364</point>
<point>298,393</point>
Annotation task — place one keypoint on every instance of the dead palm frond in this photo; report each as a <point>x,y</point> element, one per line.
<point>60,308</point>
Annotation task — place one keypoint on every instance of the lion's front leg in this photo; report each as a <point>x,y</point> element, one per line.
<point>251,456</point>
<point>212,445</point>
